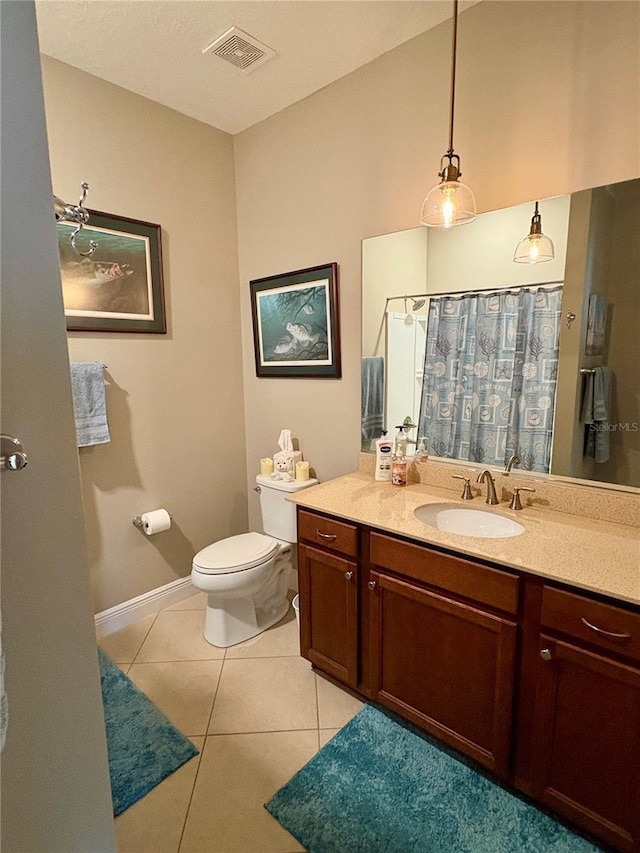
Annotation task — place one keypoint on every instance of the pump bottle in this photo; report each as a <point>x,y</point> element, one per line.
<point>384,454</point>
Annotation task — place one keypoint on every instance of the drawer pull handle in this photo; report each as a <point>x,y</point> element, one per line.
<point>330,537</point>
<point>606,633</point>
<point>348,575</point>
<point>371,585</point>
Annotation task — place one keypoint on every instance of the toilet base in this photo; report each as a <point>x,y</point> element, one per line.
<point>238,620</point>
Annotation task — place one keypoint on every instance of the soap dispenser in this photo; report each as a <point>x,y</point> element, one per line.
<point>401,441</point>
<point>421,453</point>
<point>399,469</point>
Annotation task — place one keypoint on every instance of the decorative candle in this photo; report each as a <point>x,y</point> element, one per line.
<point>266,467</point>
<point>302,470</point>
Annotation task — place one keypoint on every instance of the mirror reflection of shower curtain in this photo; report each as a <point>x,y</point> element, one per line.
<point>490,376</point>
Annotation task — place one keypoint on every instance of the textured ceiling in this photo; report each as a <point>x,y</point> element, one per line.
<point>154,47</point>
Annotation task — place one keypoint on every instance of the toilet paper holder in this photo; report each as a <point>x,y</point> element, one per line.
<point>137,521</point>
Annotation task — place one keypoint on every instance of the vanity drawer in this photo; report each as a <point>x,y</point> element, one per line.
<point>569,614</point>
<point>478,583</point>
<point>327,532</point>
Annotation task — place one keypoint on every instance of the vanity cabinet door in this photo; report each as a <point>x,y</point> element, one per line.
<point>329,613</point>
<point>446,666</point>
<point>586,743</point>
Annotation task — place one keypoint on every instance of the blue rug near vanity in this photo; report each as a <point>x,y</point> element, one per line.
<point>144,747</point>
<point>380,787</point>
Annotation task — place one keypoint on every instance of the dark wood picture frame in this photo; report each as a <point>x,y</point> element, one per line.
<point>118,288</point>
<point>296,323</point>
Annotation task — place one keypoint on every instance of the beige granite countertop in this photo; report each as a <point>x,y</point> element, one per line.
<point>600,556</point>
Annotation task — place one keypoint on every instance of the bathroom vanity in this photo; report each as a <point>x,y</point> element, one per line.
<point>521,653</point>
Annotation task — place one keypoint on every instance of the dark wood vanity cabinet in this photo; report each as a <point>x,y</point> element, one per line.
<point>445,663</point>
<point>527,678</point>
<point>328,578</point>
<point>585,760</point>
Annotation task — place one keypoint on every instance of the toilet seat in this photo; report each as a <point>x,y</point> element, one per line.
<point>236,554</point>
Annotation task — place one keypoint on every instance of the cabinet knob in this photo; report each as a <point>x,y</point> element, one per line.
<point>348,575</point>
<point>372,584</point>
<point>545,654</point>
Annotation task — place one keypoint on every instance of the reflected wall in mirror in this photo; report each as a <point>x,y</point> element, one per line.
<point>448,339</point>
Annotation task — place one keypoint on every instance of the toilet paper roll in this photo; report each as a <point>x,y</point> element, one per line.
<point>155,521</point>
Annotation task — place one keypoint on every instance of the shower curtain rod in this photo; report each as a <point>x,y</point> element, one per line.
<point>469,292</point>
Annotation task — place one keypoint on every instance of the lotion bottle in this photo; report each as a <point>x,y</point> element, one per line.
<point>384,454</point>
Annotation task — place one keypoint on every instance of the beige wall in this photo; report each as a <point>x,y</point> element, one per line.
<point>543,99</point>
<point>174,401</point>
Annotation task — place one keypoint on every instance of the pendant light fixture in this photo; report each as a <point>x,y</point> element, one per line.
<point>535,248</point>
<point>450,202</point>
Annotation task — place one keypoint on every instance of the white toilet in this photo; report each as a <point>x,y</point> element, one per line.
<point>247,576</point>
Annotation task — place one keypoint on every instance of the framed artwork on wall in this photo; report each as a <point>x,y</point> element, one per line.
<point>296,323</point>
<point>119,287</point>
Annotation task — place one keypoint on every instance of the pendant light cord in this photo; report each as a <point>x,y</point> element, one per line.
<point>454,41</point>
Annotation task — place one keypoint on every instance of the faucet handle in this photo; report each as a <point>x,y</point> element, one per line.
<point>515,500</point>
<point>467,494</point>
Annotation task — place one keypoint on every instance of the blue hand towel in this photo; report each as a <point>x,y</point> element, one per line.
<point>89,403</point>
<point>372,397</point>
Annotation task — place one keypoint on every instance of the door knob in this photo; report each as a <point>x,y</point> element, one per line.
<point>371,585</point>
<point>348,575</point>
<point>545,654</point>
<point>13,457</point>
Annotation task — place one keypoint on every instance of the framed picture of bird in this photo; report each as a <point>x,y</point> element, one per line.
<point>111,275</point>
<point>296,323</point>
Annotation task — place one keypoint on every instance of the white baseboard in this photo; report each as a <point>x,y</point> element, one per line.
<point>150,602</point>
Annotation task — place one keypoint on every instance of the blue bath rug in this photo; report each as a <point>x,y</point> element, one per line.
<point>144,747</point>
<point>380,787</point>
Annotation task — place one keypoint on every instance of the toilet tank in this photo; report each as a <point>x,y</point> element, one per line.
<point>278,514</point>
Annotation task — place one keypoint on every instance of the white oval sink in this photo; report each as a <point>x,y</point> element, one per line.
<point>468,521</point>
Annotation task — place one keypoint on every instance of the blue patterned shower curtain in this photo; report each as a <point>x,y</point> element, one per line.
<point>490,376</point>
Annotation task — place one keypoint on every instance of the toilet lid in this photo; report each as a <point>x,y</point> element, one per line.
<point>236,553</point>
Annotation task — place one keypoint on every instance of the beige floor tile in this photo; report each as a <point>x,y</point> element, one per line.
<point>197,601</point>
<point>281,640</point>
<point>154,824</point>
<point>183,690</point>
<point>122,646</point>
<point>265,695</point>
<point>335,706</point>
<point>178,635</point>
<point>325,736</point>
<point>238,774</point>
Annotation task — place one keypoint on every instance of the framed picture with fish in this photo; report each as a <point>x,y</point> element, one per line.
<point>119,287</point>
<point>296,323</point>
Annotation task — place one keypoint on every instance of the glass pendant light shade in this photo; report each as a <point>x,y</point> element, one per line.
<point>535,248</point>
<point>449,203</point>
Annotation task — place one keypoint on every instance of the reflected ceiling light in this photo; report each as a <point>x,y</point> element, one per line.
<point>535,248</point>
<point>450,202</point>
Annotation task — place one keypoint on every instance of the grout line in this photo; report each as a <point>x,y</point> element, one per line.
<point>317,707</point>
<point>193,788</point>
<point>135,657</point>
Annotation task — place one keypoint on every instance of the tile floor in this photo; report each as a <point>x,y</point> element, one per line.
<point>257,713</point>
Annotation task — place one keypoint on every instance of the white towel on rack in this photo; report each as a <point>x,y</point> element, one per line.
<point>89,403</point>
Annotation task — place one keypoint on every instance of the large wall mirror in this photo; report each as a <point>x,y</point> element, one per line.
<point>489,358</point>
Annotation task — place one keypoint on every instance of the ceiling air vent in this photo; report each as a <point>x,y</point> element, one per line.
<point>240,49</point>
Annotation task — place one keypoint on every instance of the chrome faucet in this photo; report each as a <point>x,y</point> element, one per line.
<point>485,477</point>
<point>514,460</point>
